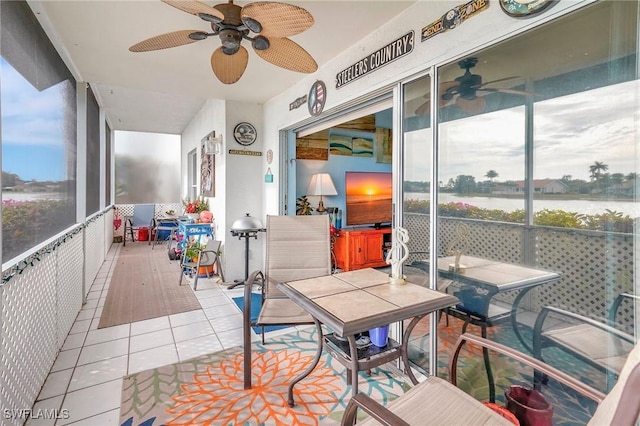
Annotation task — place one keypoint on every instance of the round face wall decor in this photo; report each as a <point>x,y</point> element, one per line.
<point>317,97</point>
<point>245,134</point>
<point>525,8</point>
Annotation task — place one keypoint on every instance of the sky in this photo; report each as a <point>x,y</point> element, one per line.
<point>31,128</point>
<point>570,134</point>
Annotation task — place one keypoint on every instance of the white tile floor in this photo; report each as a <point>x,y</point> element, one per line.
<point>86,378</point>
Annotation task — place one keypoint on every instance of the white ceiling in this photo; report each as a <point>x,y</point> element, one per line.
<point>161,91</point>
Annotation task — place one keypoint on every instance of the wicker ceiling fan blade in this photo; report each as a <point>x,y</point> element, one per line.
<point>229,68</point>
<point>288,54</point>
<point>278,19</point>
<point>164,41</point>
<point>194,7</point>
<point>497,81</point>
<point>471,106</point>
<point>424,109</point>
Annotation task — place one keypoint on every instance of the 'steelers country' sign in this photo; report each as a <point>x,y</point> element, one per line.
<point>453,18</point>
<point>381,57</point>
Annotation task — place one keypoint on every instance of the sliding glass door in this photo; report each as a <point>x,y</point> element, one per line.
<point>536,176</point>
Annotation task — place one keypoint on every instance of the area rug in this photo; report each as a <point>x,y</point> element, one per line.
<point>209,390</point>
<point>256,305</point>
<point>144,285</point>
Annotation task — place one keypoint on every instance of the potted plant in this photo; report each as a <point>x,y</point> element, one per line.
<point>303,207</point>
<point>194,208</point>
<point>193,250</point>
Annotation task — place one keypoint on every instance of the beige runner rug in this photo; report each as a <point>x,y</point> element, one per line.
<point>145,285</point>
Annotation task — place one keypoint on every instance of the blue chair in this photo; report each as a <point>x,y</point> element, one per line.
<point>143,217</point>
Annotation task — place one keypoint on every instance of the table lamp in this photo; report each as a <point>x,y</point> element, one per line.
<point>321,184</point>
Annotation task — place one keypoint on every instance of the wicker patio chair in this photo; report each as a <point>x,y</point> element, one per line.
<point>438,402</point>
<point>297,247</point>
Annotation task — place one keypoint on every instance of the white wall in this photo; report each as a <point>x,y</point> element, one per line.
<point>245,178</point>
<point>210,117</point>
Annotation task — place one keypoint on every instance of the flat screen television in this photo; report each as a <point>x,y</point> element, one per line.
<point>368,198</point>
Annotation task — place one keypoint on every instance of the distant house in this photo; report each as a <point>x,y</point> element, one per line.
<point>540,186</point>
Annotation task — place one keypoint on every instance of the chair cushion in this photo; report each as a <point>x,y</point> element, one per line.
<point>282,311</point>
<point>594,344</point>
<point>606,409</point>
<point>438,402</point>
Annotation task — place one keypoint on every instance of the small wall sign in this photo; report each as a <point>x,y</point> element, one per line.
<point>317,98</point>
<point>245,152</point>
<point>453,18</point>
<point>298,103</point>
<point>381,57</point>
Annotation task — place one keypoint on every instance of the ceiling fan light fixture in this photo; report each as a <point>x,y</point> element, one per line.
<point>230,41</point>
<point>253,25</point>
<point>260,43</point>
<point>209,18</point>
<point>198,35</point>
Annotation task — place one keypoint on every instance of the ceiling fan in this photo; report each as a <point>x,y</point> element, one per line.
<point>465,90</point>
<point>271,22</point>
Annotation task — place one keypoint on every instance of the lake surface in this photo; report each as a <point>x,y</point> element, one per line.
<point>630,208</point>
<point>28,196</point>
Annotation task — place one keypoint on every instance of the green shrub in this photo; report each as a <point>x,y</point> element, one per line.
<point>610,221</point>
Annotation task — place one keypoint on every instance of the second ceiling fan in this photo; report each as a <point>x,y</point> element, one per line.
<point>271,22</point>
<point>465,90</point>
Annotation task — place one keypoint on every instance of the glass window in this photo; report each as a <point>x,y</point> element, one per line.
<point>147,167</point>
<point>93,153</point>
<point>38,113</point>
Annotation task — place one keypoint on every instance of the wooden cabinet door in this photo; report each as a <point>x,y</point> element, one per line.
<point>359,250</point>
<point>373,245</point>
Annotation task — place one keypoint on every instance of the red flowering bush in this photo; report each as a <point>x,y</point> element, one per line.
<point>196,206</point>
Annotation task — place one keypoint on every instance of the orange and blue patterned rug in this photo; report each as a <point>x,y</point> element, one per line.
<point>208,390</point>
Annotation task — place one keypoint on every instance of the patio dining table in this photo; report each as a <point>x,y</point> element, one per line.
<point>479,280</point>
<point>353,302</point>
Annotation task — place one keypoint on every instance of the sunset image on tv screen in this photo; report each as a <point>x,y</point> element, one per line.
<point>368,197</point>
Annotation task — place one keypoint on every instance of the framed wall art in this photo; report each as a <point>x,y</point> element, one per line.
<point>207,173</point>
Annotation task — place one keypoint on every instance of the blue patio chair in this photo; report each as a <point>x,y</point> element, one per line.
<point>142,217</point>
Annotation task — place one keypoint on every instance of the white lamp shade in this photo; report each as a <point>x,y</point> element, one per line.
<point>321,184</point>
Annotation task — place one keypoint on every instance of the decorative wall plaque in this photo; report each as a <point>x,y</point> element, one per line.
<point>245,134</point>
<point>453,18</point>
<point>317,98</point>
<point>525,8</point>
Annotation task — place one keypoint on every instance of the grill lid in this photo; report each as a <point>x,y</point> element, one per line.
<point>246,224</point>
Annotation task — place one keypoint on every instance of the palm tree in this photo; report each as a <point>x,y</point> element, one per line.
<point>491,174</point>
<point>631,177</point>
<point>596,168</point>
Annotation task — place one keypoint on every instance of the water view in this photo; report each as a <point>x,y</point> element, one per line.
<point>630,208</point>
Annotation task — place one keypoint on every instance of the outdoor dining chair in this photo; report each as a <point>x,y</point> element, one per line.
<point>207,258</point>
<point>297,247</point>
<point>603,344</point>
<point>142,217</point>
<point>438,402</point>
